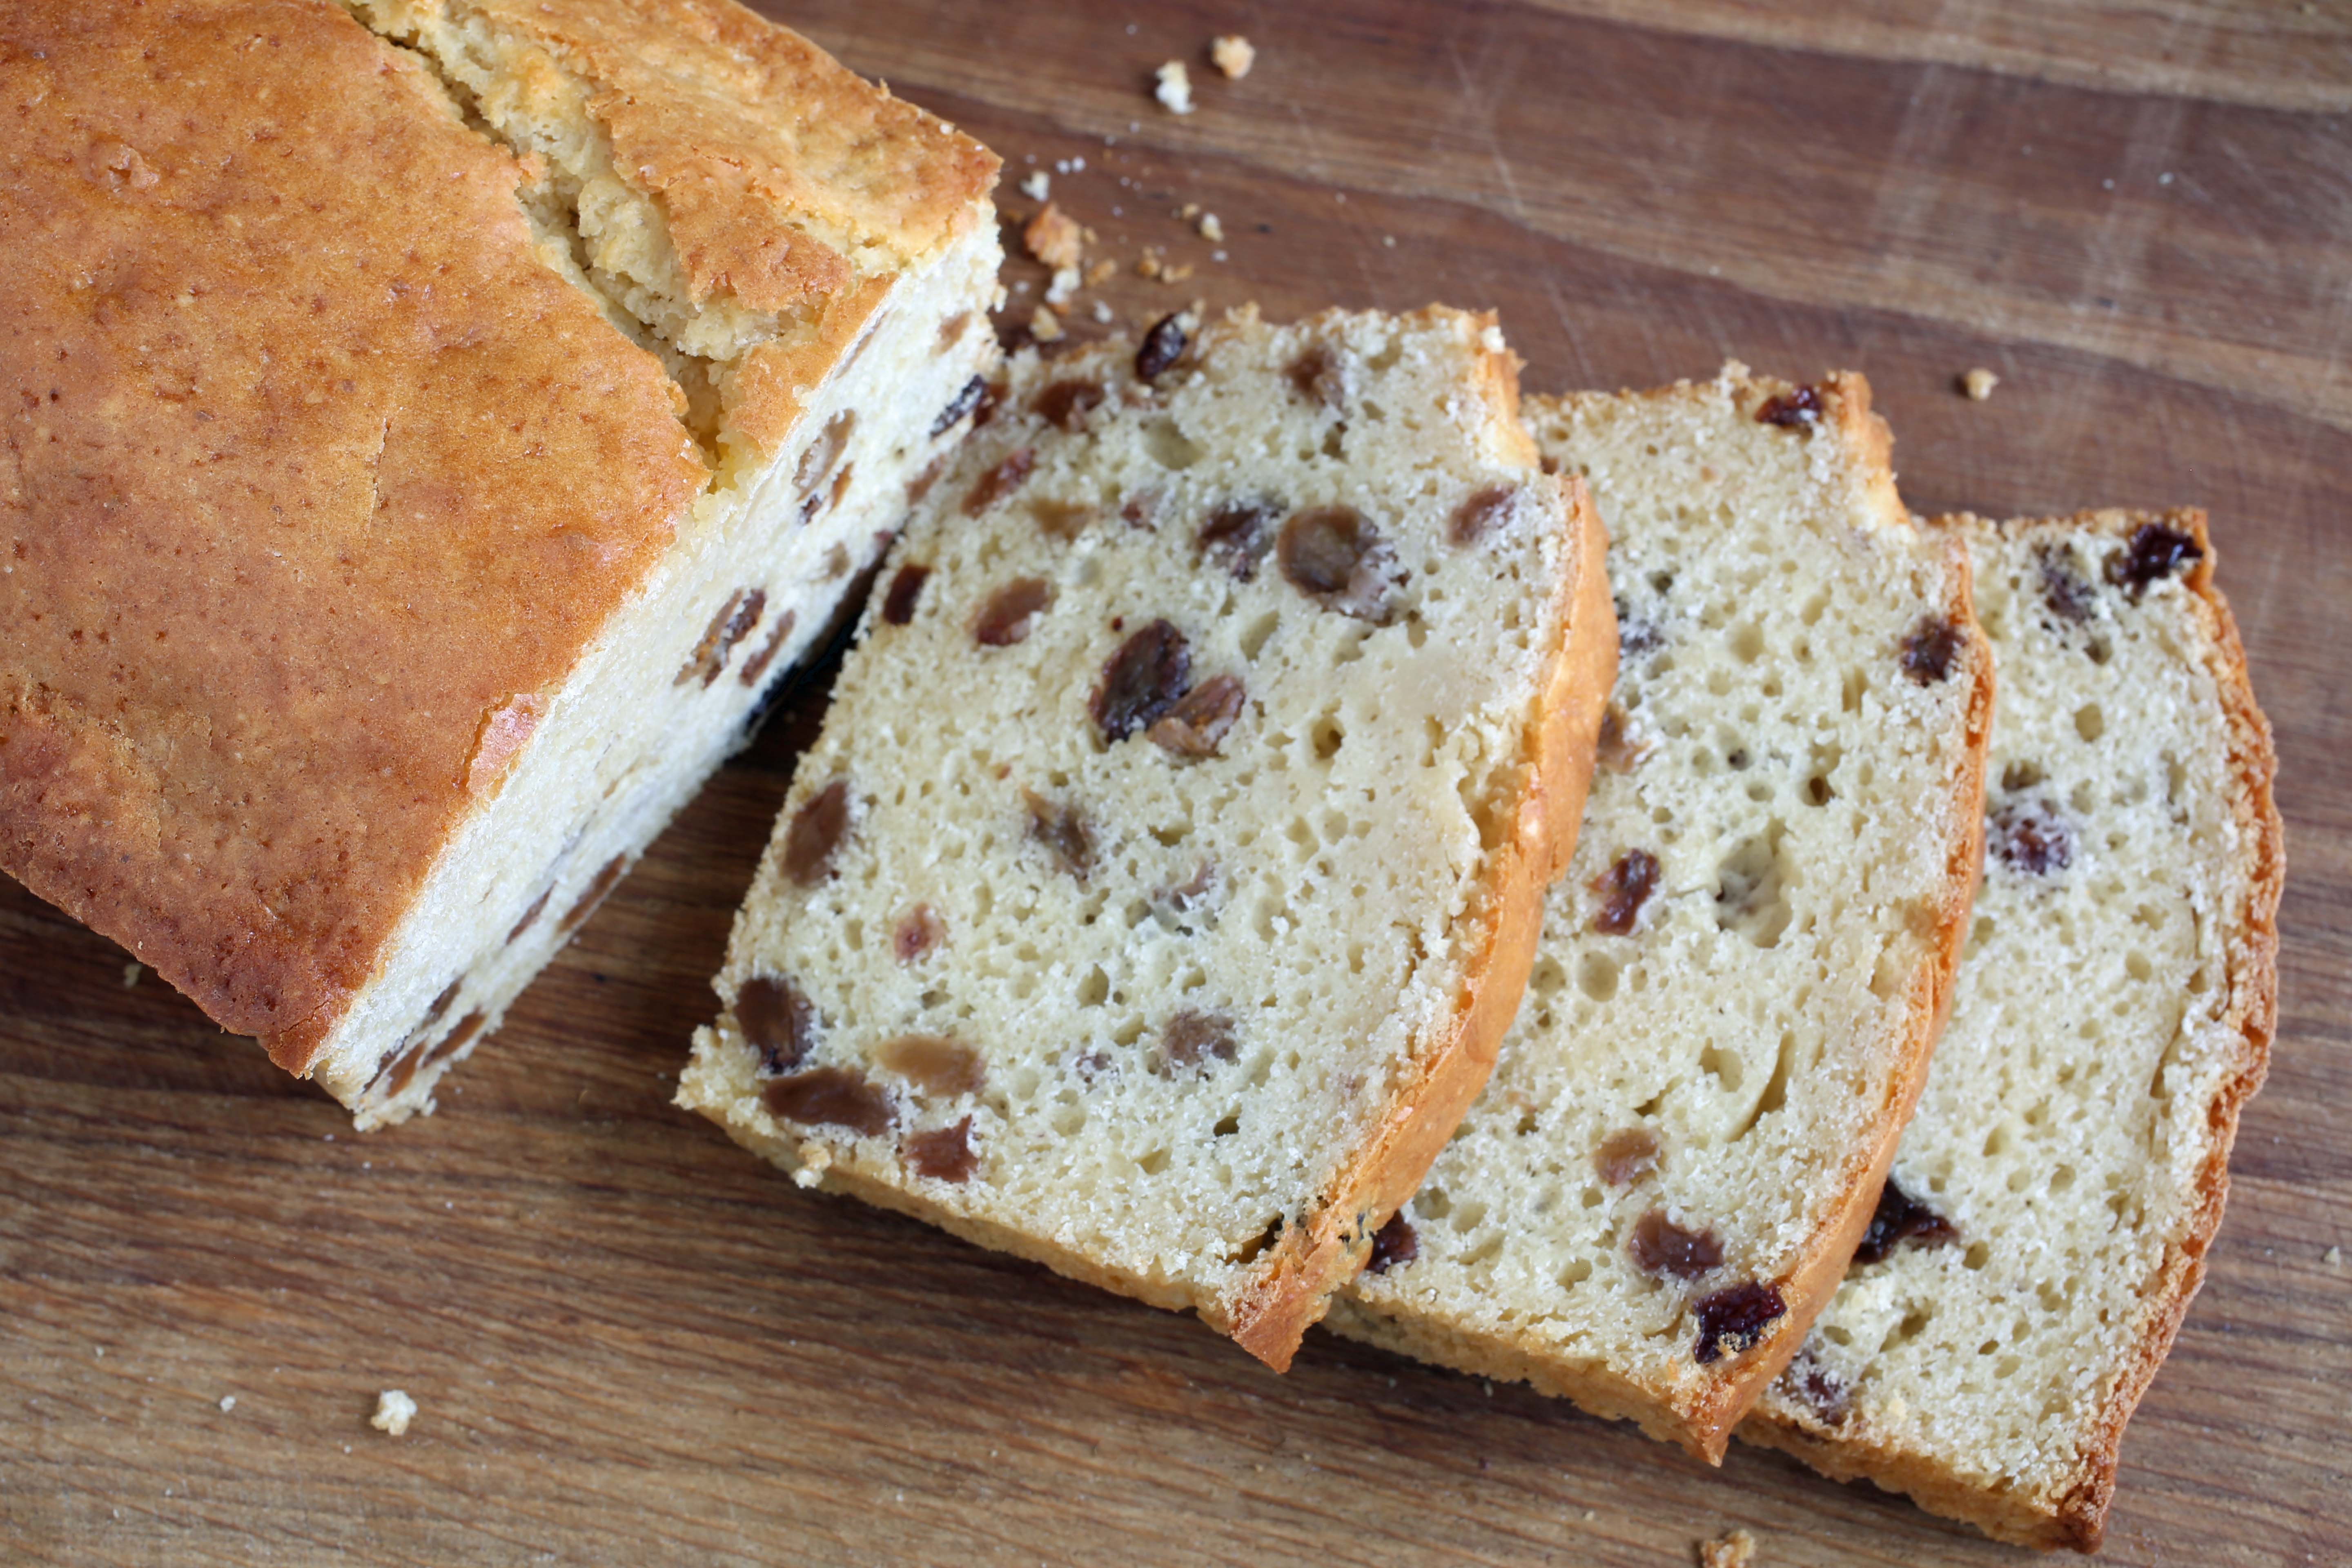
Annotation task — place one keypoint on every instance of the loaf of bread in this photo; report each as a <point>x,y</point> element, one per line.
<point>1741,979</point>
<point>2048,1214</point>
<point>1167,868</point>
<point>430,427</point>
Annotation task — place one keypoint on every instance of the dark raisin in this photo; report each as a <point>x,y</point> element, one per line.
<point>1635,634</point>
<point>2153,551</point>
<point>1898,1219</point>
<point>1819,1389</point>
<point>1062,831</point>
<point>1627,1155</point>
<point>921,484</point>
<point>906,587</point>
<point>1392,1245</point>
<point>1660,1246</point>
<point>1141,682</point>
<point>918,933</point>
<point>396,1077</point>
<point>531,915</point>
<point>1063,520</point>
<point>454,1041</point>
<point>825,451</point>
<point>1004,619</point>
<point>730,625</point>
<point>1000,481</point>
<point>1066,403</point>
<point>991,398</point>
<point>1614,750</point>
<point>2069,597</point>
<point>1192,1039</point>
<point>1319,376</point>
<point>1331,554</point>
<point>593,894</point>
<point>817,830</point>
<point>1796,410</point>
<point>1929,650</point>
<point>1736,1319</point>
<point>1163,345</point>
<point>778,1021</point>
<point>829,1097</point>
<point>757,665</point>
<point>1622,890</point>
<point>1237,535</point>
<point>2028,836</point>
<point>440,1004</point>
<point>944,1153</point>
<point>965,402</point>
<point>1199,720</point>
<point>1476,518</point>
<point>934,1063</point>
<point>1141,511</point>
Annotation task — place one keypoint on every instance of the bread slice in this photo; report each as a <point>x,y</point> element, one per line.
<point>426,445</point>
<point>1167,868</point>
<point>2049,1208</point>
<point>1739,981</point>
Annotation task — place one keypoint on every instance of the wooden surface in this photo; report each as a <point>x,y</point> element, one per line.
<point>632,1344</point>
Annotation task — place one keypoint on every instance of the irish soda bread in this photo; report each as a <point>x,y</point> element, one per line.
<point>2048,1211</point>
<point>1168,867</point>
<point>423,445</point>
<point>1740,979</point>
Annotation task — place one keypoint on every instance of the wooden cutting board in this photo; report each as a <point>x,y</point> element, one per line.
<point>632,1345</point>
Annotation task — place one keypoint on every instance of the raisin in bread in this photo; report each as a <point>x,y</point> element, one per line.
<point>1167,868</point>
<point>433,425</point>
<point>2051,1206</point>
<point>1739,981</point>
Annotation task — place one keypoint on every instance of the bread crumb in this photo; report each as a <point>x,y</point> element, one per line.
<point>1736,1550</point>
<point>1100,273</point>
<point>393,1411</point>
<point>2333,1257</point>
<point>1210,229</point>
<point>1053,237</point>
<point>1066,283</point>
<point>1231,54</point>
<point>1037,186</point>
<point>1045,326</point>
<point>1175,89</point>
<point>1174,272</point>
<point>1102,312</point>
<point>1979,383</point>
<point>228,1403</point>
<point>1189,211</point>
<point>1148,265</point>
<point>130,974</point>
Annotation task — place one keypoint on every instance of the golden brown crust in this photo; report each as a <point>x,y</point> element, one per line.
<point>313,467</point>
<point>1313,1260</point>
<point>773,165</point>
<point>2076,1516</point>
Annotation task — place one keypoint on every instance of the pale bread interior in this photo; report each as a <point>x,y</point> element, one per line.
<point>1731,1061</point>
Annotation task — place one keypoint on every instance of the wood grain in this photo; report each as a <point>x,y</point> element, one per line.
<point>630,1343</point>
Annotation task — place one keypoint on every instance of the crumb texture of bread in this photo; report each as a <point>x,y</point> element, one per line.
<point>1166,869</point>
<point>2048,1211</point>
<point>1738,979</point>
<point>380,586</point>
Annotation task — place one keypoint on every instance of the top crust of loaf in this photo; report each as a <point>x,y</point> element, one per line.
<point>327,465</point>
<point>1537,692</point>
<point>2058,1496</point>
<point>753,181</point>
